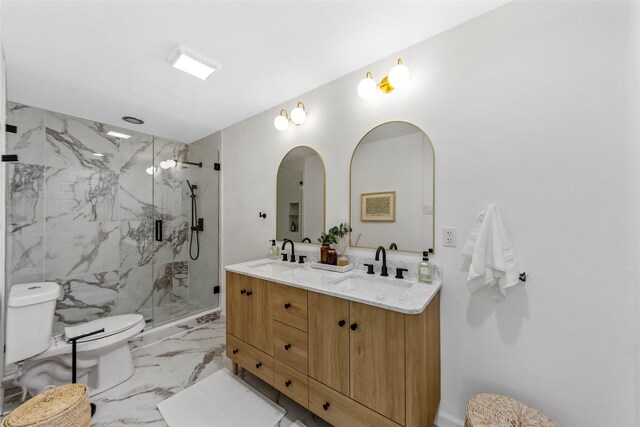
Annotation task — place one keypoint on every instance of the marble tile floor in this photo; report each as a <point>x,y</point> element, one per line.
<point>168,366</point>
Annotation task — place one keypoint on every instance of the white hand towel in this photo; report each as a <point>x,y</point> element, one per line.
<point>493,260</point>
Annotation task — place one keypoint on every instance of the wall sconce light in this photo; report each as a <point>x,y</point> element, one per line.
<point>398,77</point>
<point>298,117</point>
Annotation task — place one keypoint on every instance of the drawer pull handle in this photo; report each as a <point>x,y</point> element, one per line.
<point>249,293</point>
<point>235,351</point>
<point>258,365</point>
<point>287,306</point>
<point>287,347</point>
<point>243,291</point>
<point>288,383</point>
<point>354,326</point>
<point>326,406</point>
<point>342,323</point>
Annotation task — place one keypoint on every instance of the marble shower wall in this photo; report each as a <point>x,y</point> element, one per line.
<point>86,221</point>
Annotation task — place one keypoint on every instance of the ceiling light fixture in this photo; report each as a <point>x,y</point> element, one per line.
<point>398,77</point>
<point>192,63</point>
<point>152,170</point>
<point>118,135</point>
<point>132,120</point>
<point>298,117</point>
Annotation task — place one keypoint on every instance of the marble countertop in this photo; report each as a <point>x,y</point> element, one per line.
<point>406,296</point>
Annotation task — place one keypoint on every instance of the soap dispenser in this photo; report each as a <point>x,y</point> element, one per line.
<point>426,269</point>
<point>274,253</point>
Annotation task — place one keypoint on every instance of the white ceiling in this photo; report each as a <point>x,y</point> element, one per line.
<point>102,60</point>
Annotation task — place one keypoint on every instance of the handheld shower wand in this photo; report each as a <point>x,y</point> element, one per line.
<point>197,224</point>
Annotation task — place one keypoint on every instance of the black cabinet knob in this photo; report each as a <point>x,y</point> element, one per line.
<point>287,347</point>
<point>235,351</point>
<point>288,383</point>
<point>342,323</point>
<point>354,326</point>
<point>326,406</point>
<point>287,306</point>
<point>243,291</point>
<point>258,365</point>
<point>249,293</point>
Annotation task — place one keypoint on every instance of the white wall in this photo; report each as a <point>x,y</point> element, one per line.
<point>634,177</point>
<point>526,107</point>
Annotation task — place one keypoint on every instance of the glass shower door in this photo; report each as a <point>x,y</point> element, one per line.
<point>185,264</point>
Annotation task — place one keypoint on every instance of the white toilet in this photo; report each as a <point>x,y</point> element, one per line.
<point>103,360</point>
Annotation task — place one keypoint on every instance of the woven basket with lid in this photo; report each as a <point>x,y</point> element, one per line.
<point>67,406</point>
<point>493,410</point>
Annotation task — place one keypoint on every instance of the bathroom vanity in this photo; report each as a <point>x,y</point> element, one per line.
<point>355,349</point>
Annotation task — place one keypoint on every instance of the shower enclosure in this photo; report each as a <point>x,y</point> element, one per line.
<point>110,219</point>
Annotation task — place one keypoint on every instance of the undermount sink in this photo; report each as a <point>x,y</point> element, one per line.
<point>377,285</point>
<point>274,267</point>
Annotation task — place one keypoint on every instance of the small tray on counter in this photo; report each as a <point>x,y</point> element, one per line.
<point>329,267</point>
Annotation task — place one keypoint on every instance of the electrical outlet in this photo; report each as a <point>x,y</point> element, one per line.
<point>449,237</point>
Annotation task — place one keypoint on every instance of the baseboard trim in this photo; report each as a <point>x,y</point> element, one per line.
<point>445,420</point>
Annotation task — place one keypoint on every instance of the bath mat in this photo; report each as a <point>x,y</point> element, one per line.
<point>222,400</point>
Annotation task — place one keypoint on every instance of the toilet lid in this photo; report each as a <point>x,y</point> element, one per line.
<point>112,325</point>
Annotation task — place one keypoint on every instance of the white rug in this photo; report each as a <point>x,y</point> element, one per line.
<point>222,400</point>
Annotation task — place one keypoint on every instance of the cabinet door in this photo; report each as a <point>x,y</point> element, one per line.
<point>377,377</point>
<point>260,315</point>
<point>329,341</point>
<point>237,304</point>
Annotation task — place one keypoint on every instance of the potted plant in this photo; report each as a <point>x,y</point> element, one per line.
<point>326,239</point>
<point>341,238</point>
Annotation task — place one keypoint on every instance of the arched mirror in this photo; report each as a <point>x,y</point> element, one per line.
<point>301,196</point>
<point>392,189</point>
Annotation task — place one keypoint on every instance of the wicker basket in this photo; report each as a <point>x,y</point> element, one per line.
<point>67,406</point>
<point>493,410</point>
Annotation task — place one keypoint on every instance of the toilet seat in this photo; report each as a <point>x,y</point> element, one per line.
<point>122,329</point>
<point>111,325</point>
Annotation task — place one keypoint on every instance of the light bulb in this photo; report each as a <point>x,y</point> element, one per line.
<point>151,170</point>
<point>167,164</point>
<point>281,123</point>
<point>399,75</point>
<point>298,115</point>
<point>367,87</point>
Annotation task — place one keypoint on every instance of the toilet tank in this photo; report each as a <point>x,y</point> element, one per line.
<point>30,310</point>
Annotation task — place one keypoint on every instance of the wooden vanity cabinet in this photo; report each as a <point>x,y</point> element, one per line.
<point>377,355</point>
<point>329,341</point>
<point>352,364</point>
<point>250,311</point>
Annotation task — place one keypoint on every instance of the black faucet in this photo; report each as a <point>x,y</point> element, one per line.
<point>393,246</point>
<point>306,240</point>
<point>293,251</point>
<point>384,260</point>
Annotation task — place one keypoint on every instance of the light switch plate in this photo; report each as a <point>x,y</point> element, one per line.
<point>449,237</point>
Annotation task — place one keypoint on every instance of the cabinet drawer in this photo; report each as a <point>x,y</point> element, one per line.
<point>290,306</point>
<point>250,358</point>
<point>341,411</point>
<point>290,346</point>
<point>291,382</point>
